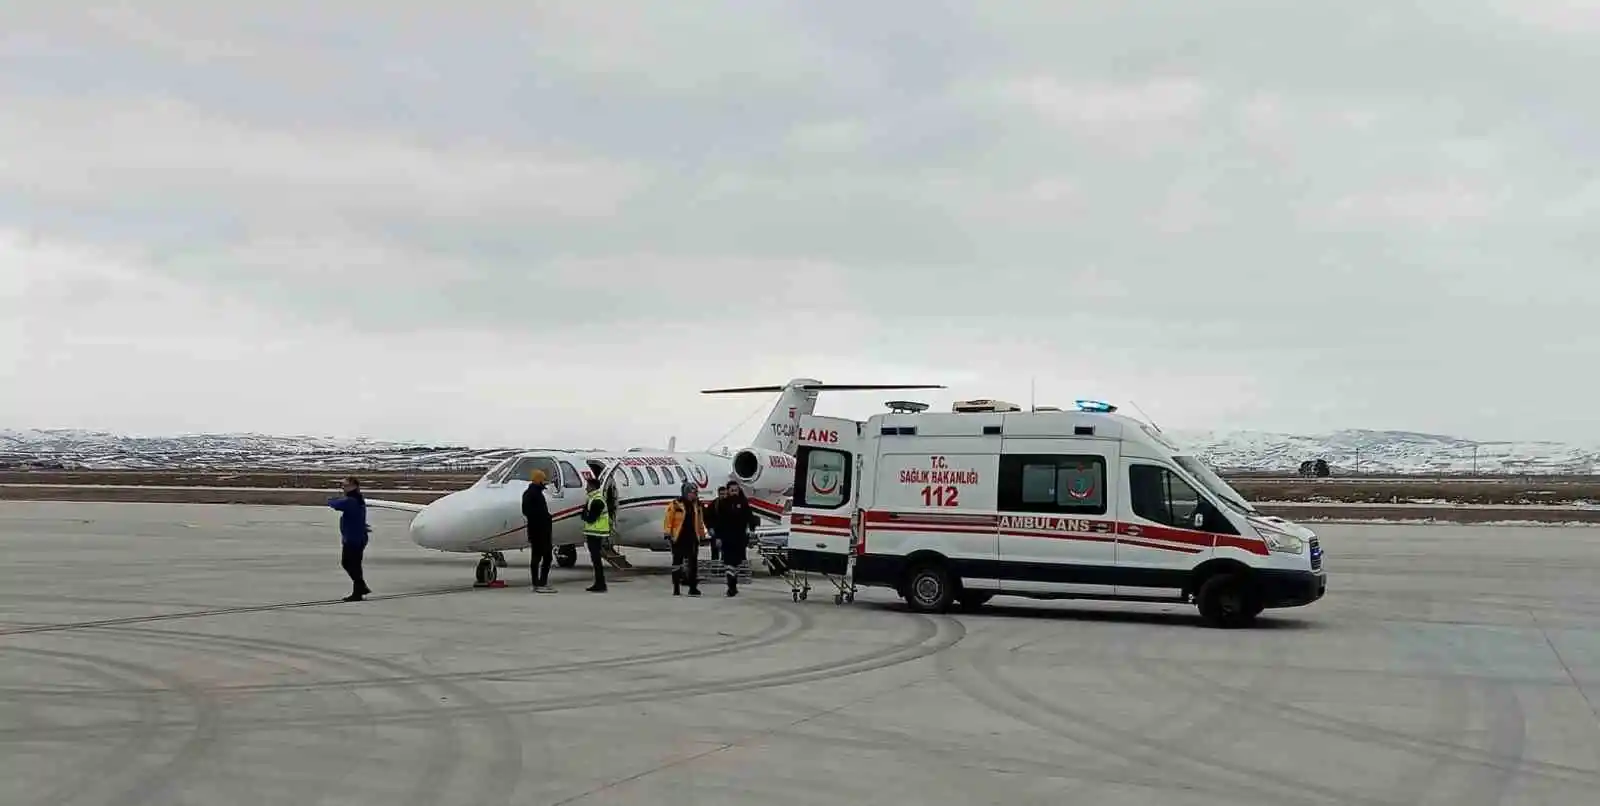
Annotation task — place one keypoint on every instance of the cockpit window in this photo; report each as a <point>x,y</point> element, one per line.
<point>523,467</point>
<point>498,472</point>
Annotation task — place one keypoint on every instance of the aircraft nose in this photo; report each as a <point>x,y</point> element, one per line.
<point>423,530</point>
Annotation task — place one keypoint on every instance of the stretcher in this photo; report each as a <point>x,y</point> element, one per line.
<point>773,546</point>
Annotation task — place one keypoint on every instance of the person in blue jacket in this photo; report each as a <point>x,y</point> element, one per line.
<point>353,531</point>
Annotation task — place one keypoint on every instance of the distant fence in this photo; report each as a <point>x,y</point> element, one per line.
<point>1379,475</point>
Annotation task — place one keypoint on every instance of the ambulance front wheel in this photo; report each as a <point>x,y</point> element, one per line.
<point>1228,601</point>
<point>929,588</point>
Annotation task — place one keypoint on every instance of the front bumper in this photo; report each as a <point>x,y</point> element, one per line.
<point>1291,588</point>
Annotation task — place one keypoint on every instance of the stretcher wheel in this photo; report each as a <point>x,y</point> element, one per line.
<point>802,596</point>
<point>838,598</point>
<point>795,595</point>
<point>850,597</point>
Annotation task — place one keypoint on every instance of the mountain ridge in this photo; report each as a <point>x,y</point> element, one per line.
<point>1347,451</point>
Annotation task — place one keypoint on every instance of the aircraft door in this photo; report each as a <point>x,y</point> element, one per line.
<point>570,480</point>
<point>608,486</point>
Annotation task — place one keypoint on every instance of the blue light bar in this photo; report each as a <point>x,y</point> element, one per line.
<point>1094,405</point>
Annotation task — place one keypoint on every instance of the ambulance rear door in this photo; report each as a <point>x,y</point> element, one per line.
<point>827,486</point>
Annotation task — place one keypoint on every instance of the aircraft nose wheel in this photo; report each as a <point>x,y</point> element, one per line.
<point>488,572</point>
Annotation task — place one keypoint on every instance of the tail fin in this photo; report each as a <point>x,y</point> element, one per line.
<point>798,398</point>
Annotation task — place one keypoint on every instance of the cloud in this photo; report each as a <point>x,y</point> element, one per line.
<point>1224,212</point>
<point>1107,109</point>
<point>833,136</point>
<point>124,153</point>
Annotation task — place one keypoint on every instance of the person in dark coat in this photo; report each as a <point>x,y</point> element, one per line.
<point>735,520</point>
<point>712,507</point>
<point>540,531</point>
<point>353,531</point>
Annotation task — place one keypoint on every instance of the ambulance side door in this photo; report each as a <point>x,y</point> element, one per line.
<point>826,487</point>
<point>1058,516</point>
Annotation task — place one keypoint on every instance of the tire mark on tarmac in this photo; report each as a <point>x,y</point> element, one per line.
<point>1317,721</point>
<point>115,759</point>
<point>442,756</point>
<point>1175,764</point>
<point>1199,718</point>
<point>931,636</point>
<point>786,624</point>
<point>151,784</point>
<point>219,611</point>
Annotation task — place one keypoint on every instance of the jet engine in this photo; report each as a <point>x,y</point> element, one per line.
<point>768,471</point>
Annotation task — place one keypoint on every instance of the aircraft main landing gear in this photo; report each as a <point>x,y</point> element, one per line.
<point>488,572</point>
<point>566,556</point>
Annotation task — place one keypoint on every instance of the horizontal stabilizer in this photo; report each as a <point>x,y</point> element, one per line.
<point>799,399</point>
<point>821,387</point>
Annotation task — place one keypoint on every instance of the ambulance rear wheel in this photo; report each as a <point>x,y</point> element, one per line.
<point>566,556</point>
<point>929,588</point>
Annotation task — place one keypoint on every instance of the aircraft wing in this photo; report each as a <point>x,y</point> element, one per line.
<point>404,506</point>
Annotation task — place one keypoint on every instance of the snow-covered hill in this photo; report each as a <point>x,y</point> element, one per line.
<point>1347,452</point>
<point>94,450</point>
<point>1352,452</point>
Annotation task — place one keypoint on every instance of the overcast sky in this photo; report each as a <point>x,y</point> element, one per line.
<point>553,222</point>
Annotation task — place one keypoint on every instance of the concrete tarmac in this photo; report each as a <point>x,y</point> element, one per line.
<point>173,654</point>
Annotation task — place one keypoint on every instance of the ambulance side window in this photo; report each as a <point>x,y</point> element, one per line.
<point>1067,484</point>
<point>1157,494</point>
<point>826,478</point>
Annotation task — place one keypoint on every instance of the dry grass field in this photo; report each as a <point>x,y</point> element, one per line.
<point>1497,499</point>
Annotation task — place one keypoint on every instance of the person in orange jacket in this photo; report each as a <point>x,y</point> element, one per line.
<point>685,526</point>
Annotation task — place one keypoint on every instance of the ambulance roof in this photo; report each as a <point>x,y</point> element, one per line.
<point>1094,423</point>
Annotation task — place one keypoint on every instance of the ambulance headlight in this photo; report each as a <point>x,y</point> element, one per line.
<point>1282,542</point>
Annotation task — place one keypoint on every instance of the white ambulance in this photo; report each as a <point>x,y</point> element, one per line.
<point>1049,504</point>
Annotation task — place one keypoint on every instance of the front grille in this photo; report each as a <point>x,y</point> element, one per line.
<point>1316,555</point>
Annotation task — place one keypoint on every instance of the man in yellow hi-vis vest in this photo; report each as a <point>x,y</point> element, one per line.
<point>596,530</point>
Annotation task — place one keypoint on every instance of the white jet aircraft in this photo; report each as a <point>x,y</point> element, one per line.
<point>486,518</point>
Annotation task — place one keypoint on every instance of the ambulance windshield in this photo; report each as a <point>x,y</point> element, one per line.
<point>1214,483</point>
